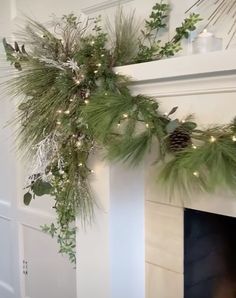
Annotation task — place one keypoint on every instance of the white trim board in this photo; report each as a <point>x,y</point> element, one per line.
<point>103,5</point>
<point>209,64</point>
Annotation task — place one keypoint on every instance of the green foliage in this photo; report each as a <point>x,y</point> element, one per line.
<point>125,124</point>
<point>188,25</point>
<point>150,47</point>
<point>27,198</point>
<point>70,100</point>
<point>207,167</point>
<point>123,37</point>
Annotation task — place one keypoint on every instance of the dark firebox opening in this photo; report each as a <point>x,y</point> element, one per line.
<point>209,255</point>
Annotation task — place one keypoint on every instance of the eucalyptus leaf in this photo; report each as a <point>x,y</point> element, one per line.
<point>172,125</point>
<point>27,198</point>
<point>189,125</point>
<point>41,187</point>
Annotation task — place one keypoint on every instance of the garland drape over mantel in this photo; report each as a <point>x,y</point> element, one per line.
<point>73,101</point>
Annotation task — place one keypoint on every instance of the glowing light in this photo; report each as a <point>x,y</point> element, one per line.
<point>147,125</point>
<point>212,139</point>
<point>59,111</point>
<point>125,115</point>
<point>102,55</point>
<point>86,101</point>
<point>194,146</point>
<point>95,71</point>
<point>183,121</point>
<point>99,65</point>
<point>67,112</point>
<point>71,99</point>
<point>58,122</point>
<point>80,164</point>
<point>61,172</point>
<point>92,42</point>
<point>77,82</point>
<point>118,124</point>
<point>92,171</point>
<point>234,138</point>
<point>106,93</point>
<point>78,143</point>
<point>196,174</point>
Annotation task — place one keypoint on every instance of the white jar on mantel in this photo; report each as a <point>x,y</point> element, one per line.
<point>206,42</point>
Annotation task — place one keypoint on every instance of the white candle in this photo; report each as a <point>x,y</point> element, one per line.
<point>206,42</point>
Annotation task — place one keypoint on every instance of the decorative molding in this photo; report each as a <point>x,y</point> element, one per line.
<point>103,5</point>
<point>184,87</point>
<point>7,287</point>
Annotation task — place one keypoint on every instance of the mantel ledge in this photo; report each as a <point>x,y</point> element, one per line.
<point>214,64</point>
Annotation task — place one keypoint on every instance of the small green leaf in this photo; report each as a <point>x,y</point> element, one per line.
<point>173,111</point>
<point>41,187</point>
<point>27,198</point>
<point>172,125</point>
<point>189,125</point>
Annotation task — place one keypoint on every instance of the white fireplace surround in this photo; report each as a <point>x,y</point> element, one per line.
<point>125,239</point>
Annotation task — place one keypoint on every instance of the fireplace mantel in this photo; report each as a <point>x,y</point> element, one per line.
<point>192,66</point>
<point>184,75</point>
<point>203,85</point>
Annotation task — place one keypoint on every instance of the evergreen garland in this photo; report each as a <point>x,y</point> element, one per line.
<point>72,100</point>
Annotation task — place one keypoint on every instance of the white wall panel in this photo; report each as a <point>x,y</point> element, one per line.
<point>6,255</point>
<point>49,274</point>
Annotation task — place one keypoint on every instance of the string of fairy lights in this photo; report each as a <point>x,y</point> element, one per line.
<point>219,13</point>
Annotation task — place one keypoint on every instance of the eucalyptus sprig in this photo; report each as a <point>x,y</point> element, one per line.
<point>150,45</point>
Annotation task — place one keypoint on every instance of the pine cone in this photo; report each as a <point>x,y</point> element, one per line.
<point>178,140</point>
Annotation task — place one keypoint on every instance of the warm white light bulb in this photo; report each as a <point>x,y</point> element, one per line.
<point>234,138</point>
<point>194,146</point>
<point>196,174</point>
<point>58,122</point>
<point>86,101</point>
<point>212,139</point>
<point>147,125</point>
<point>59,111</point>
<point>95,71</point>
<point>125,115</point>
<point>67,112</point>
<point>78,143</point>
<point>80,164</point>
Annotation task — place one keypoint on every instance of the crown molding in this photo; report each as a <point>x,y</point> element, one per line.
<point>103,5</point>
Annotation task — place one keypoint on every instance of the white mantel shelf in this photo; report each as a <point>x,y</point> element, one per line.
<point>204,65</point>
